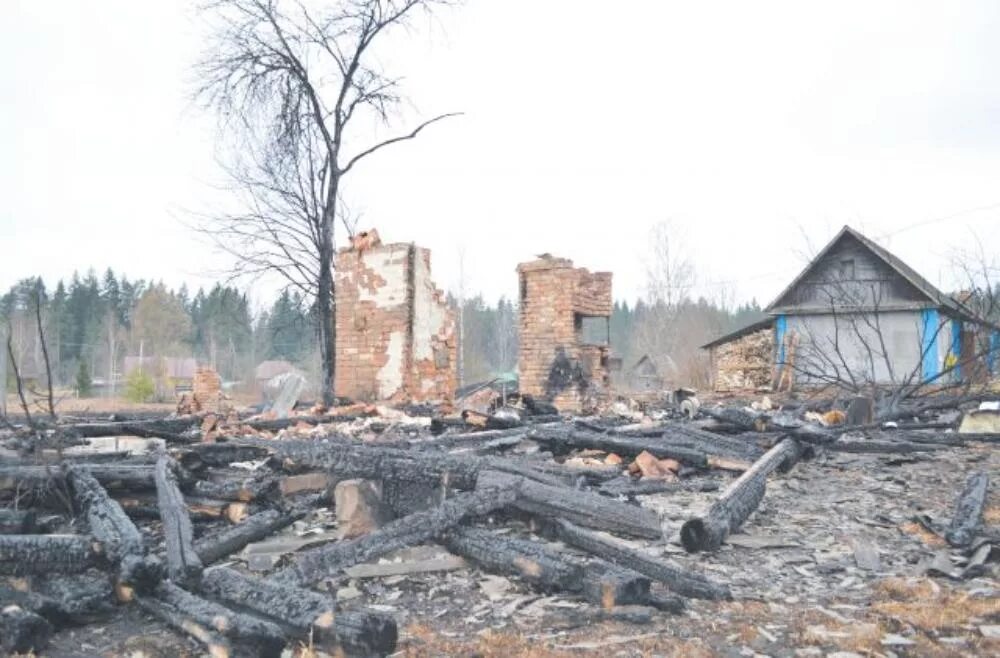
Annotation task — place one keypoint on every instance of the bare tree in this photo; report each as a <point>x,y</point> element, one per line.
<point>289,81</point>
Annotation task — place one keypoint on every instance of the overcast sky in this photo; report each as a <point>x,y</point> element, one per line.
<point>759,127</point>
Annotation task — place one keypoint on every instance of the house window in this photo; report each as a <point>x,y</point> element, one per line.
<point>846,269</point>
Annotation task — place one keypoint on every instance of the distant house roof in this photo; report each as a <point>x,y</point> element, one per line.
<point>172,367</point>
<point>751,328</point>
<point>924,286</point>
<point>269,369</point>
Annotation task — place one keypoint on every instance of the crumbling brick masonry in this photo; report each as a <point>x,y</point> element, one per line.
<point>564,332</point>
<point>395,332</point>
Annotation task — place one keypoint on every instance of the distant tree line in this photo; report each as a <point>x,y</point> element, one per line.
<point>92,323</point>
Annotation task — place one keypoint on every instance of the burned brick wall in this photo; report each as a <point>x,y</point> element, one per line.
<point>395,332</point>
<point>745,363</point>
<point>554,362</point>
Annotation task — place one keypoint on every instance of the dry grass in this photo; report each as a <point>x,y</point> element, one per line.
<point>857,637</point>
<point>421,641</point>
<point>923,534</point>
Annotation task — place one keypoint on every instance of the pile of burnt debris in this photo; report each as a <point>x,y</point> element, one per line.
<point>222,528</point>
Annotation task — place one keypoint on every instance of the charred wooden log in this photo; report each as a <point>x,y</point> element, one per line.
<point>236,489</point>
<point>22,631</point>
<point>220,454</point>
<point>968,511</point>
<point>356,632</point>
<point>582,507</point>
<point>42,554</point>
<point>215,644</point>
<point>318,563</point>
<point>536,563</point>
<point>737,501</point>
<point>268,637</point>
<point>746,419</point>
<point>625,486</point>
<point>883,447</point>
<point>609,586</point>
<point>17,522</point>
<point>183,564</point>
<point>254,528</point>
<point>561,440</point>
<point>168,429</point>
<point>374,463</point>
<point>682,581</point>
<point>65,598</point>
<point>112,476</point>
<point>109,524</point>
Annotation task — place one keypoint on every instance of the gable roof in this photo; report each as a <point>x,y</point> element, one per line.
<point>924,286</point>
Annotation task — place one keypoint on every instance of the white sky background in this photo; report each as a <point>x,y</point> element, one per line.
<point>750,124</point>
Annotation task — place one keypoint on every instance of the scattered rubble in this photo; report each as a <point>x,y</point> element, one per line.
<point>358,528</point>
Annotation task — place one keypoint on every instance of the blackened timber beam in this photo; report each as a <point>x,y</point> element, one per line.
<point>536,563</point>
<point>168,429</point>
<point>737,501</point>
<point>268,637</point>
<point>356,632</point>
<point>685,582</point>
<point>562,440</point>
<point>236,489</point>
<point>583,507</point>
<point>318,563</point>
<point>220,454</point>
<point>42,554</point>
<point>212,548</point>
<point>120,539</point>
<point>183,564</point>
<point>216,645</point>
<point>968,511</point>
<point>376,463</point>
<point>626,486</point>
<point>65,598</point>
<point>112,476</point>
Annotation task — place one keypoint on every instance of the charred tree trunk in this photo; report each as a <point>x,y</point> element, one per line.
<point>682,581</point>
<point>42,554</point>
<point>737,501</point>
<point>968,511</point>
<point>587,509</point>
<point>356,632</point>
<point>418,527</point>
<point>253,528</point>
<point>183,564</point>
